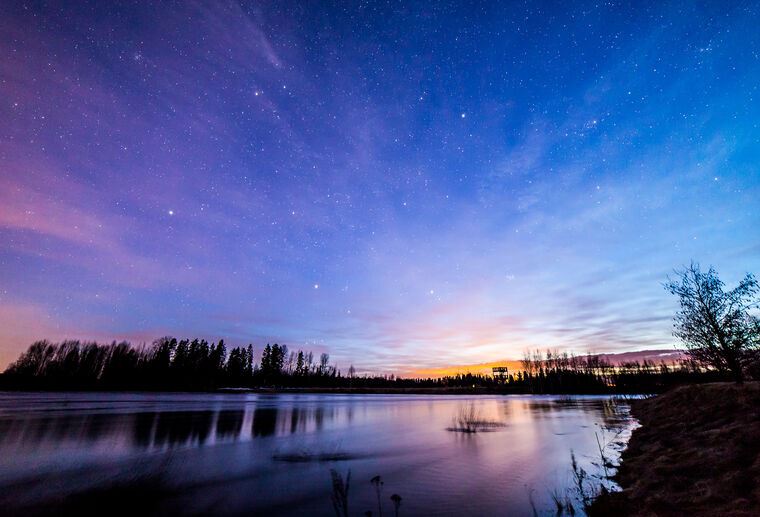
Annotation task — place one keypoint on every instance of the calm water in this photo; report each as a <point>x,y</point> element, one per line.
<point>272,454</point>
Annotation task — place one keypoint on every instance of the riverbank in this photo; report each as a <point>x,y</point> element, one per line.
<point>697,452</point>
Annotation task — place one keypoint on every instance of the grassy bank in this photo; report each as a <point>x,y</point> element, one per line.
<point>697,453</point>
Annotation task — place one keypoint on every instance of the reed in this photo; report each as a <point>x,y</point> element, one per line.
<point>377,482</point>
<point>340,492</point>
<point>396,503</point>
<point>469,420</point>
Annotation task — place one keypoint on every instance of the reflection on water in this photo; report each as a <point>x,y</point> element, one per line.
<point>219,453</point>
<point>229,423</point>
<point>157,429</point>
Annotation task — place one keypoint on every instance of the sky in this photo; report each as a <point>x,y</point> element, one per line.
<point>401,185</point>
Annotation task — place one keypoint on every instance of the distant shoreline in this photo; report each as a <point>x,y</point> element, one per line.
<point>454,390</point>
<point>171,365</point>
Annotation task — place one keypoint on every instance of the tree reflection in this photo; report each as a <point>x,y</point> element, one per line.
<point>182,427</point>
<point>229,423</point>
<point>143,428</point>
<point>264,421</point>
<point>297,420</point>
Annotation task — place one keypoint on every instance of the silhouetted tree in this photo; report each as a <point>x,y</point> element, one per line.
<point>266,360</point>
<point>324,361</point>
<point>237,366</point>
<point>217,358</point>
<point>716,325</point>
<point>272,360</point>
<point>249,363</point>
<point>300,364</point>
<point>120,365</point>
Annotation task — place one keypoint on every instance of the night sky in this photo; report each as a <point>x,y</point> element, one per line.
<point>401,185</point>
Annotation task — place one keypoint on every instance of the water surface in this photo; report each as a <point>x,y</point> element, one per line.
<point>272,454</point>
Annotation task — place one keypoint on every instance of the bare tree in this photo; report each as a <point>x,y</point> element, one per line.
<point>527,362</point>
<point>324,361</point>
<point>716,326</point>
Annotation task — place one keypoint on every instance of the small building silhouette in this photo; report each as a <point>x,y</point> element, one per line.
<point>500,372</point>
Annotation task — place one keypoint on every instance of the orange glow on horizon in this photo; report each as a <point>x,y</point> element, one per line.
<point>479,368</point>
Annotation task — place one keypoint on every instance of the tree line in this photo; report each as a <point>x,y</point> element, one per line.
<point>167,364</point>
<point>197,365</point>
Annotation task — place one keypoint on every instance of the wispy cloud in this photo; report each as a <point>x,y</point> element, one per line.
<point>392,196</point>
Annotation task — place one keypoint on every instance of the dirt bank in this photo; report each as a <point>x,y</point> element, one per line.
<point>697,453</point>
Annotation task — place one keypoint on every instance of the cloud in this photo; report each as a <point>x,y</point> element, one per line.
<point>21,325</point>
<point>291,155</point>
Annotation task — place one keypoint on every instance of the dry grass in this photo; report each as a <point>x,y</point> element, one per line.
<point>469,420</point>
<point>697,453</point>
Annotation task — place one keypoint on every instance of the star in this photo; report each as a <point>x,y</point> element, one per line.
<point>384,195</point>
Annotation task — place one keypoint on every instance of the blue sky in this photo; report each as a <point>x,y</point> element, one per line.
<point>401,185</point>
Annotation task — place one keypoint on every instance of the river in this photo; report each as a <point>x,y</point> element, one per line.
<point>271,454</point>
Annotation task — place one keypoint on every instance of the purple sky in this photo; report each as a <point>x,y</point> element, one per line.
<point>403,187</point>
